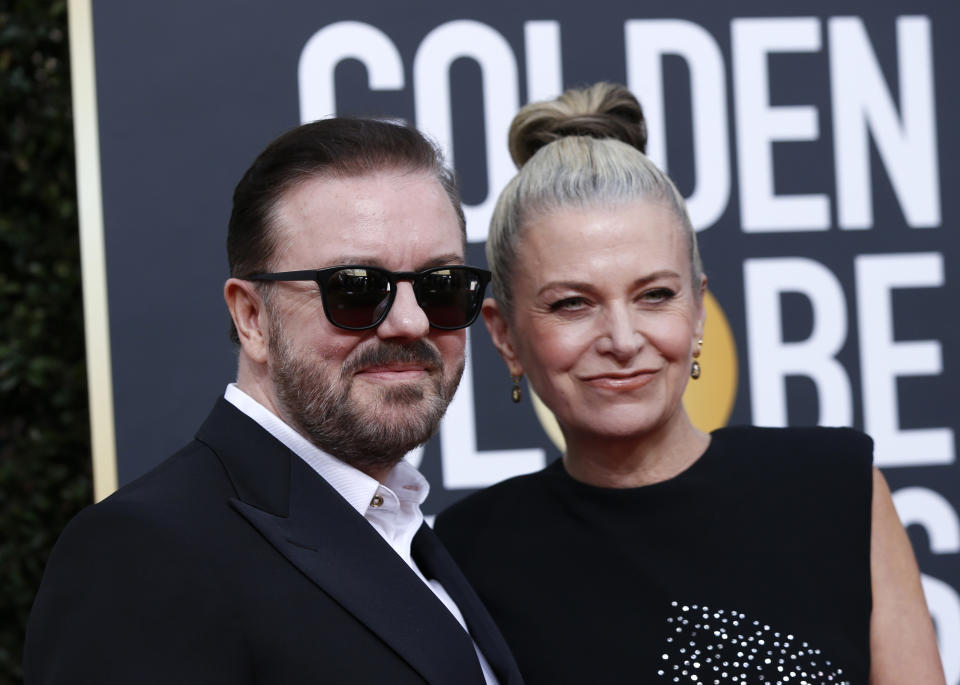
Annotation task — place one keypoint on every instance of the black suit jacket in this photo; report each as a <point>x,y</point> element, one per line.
<point>234,562</point>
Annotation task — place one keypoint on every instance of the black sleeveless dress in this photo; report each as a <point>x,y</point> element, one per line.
<point>750,567</point>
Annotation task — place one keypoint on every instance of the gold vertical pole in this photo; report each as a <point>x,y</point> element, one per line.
<point>92,251</point>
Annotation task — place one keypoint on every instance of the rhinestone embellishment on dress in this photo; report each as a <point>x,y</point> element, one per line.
<point>721,647</point>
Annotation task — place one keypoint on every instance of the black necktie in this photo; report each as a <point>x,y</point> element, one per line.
<point>436,563</point>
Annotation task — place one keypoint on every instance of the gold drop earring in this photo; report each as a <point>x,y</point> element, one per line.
<point>695,367</point>
<point>516,392</point>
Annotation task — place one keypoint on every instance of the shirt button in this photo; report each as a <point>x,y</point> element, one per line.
<point>377,501</point>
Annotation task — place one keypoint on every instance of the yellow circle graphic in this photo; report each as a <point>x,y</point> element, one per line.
<point>709,399</point>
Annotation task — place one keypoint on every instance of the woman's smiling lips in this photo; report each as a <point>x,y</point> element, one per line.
<point>620,380</point>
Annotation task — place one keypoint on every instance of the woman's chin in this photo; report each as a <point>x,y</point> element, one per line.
<point>607,427</point>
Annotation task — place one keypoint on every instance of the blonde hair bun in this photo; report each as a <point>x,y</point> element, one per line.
<point>603,110</point>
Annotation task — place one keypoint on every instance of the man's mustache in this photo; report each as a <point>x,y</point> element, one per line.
<point>384,353</point>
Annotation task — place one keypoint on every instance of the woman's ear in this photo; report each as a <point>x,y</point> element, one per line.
<point>499,328</point>
<point>701,308</point>
<point>249,316</point>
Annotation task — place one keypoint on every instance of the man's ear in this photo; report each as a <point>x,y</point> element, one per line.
<point>499,329</point>
<point>249,316</point>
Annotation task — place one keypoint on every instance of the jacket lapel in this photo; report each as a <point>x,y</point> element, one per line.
<point>308,522</point>
<point>435,562</point>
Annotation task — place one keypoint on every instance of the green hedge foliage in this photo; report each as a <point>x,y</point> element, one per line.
<point>44,430</point>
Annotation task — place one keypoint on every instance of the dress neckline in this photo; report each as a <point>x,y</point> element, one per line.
<point>700,464</point>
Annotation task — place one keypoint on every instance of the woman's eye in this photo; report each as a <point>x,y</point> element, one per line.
<point>657,295</point>
<point>568,304</point>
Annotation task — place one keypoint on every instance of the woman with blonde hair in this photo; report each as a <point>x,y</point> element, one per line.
<point>652,551</point>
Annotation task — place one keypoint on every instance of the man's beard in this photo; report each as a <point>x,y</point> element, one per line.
<point>370,435</point>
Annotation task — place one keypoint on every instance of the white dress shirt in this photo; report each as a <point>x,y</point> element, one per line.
<point>392,507</point>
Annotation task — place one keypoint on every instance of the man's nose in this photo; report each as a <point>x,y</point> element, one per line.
<point>405,320</point>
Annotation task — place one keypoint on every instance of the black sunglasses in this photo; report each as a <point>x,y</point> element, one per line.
<point>357,297</point>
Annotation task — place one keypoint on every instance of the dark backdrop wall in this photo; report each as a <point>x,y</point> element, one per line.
<point>815,142</point>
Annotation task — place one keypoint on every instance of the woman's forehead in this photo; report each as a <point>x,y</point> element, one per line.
<point>587,229</point>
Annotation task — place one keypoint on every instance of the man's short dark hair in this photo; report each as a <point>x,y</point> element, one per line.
<point>337,148</point>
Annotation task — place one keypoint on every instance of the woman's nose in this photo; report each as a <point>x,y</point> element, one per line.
<point>622,338</point>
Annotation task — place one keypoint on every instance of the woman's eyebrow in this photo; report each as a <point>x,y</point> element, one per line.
<point>589,286</point>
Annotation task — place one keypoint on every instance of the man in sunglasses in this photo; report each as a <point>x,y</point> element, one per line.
<point>286,543</point>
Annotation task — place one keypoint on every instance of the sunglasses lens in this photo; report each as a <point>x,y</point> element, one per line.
<point>356,297</point>
<point>450,297</point>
